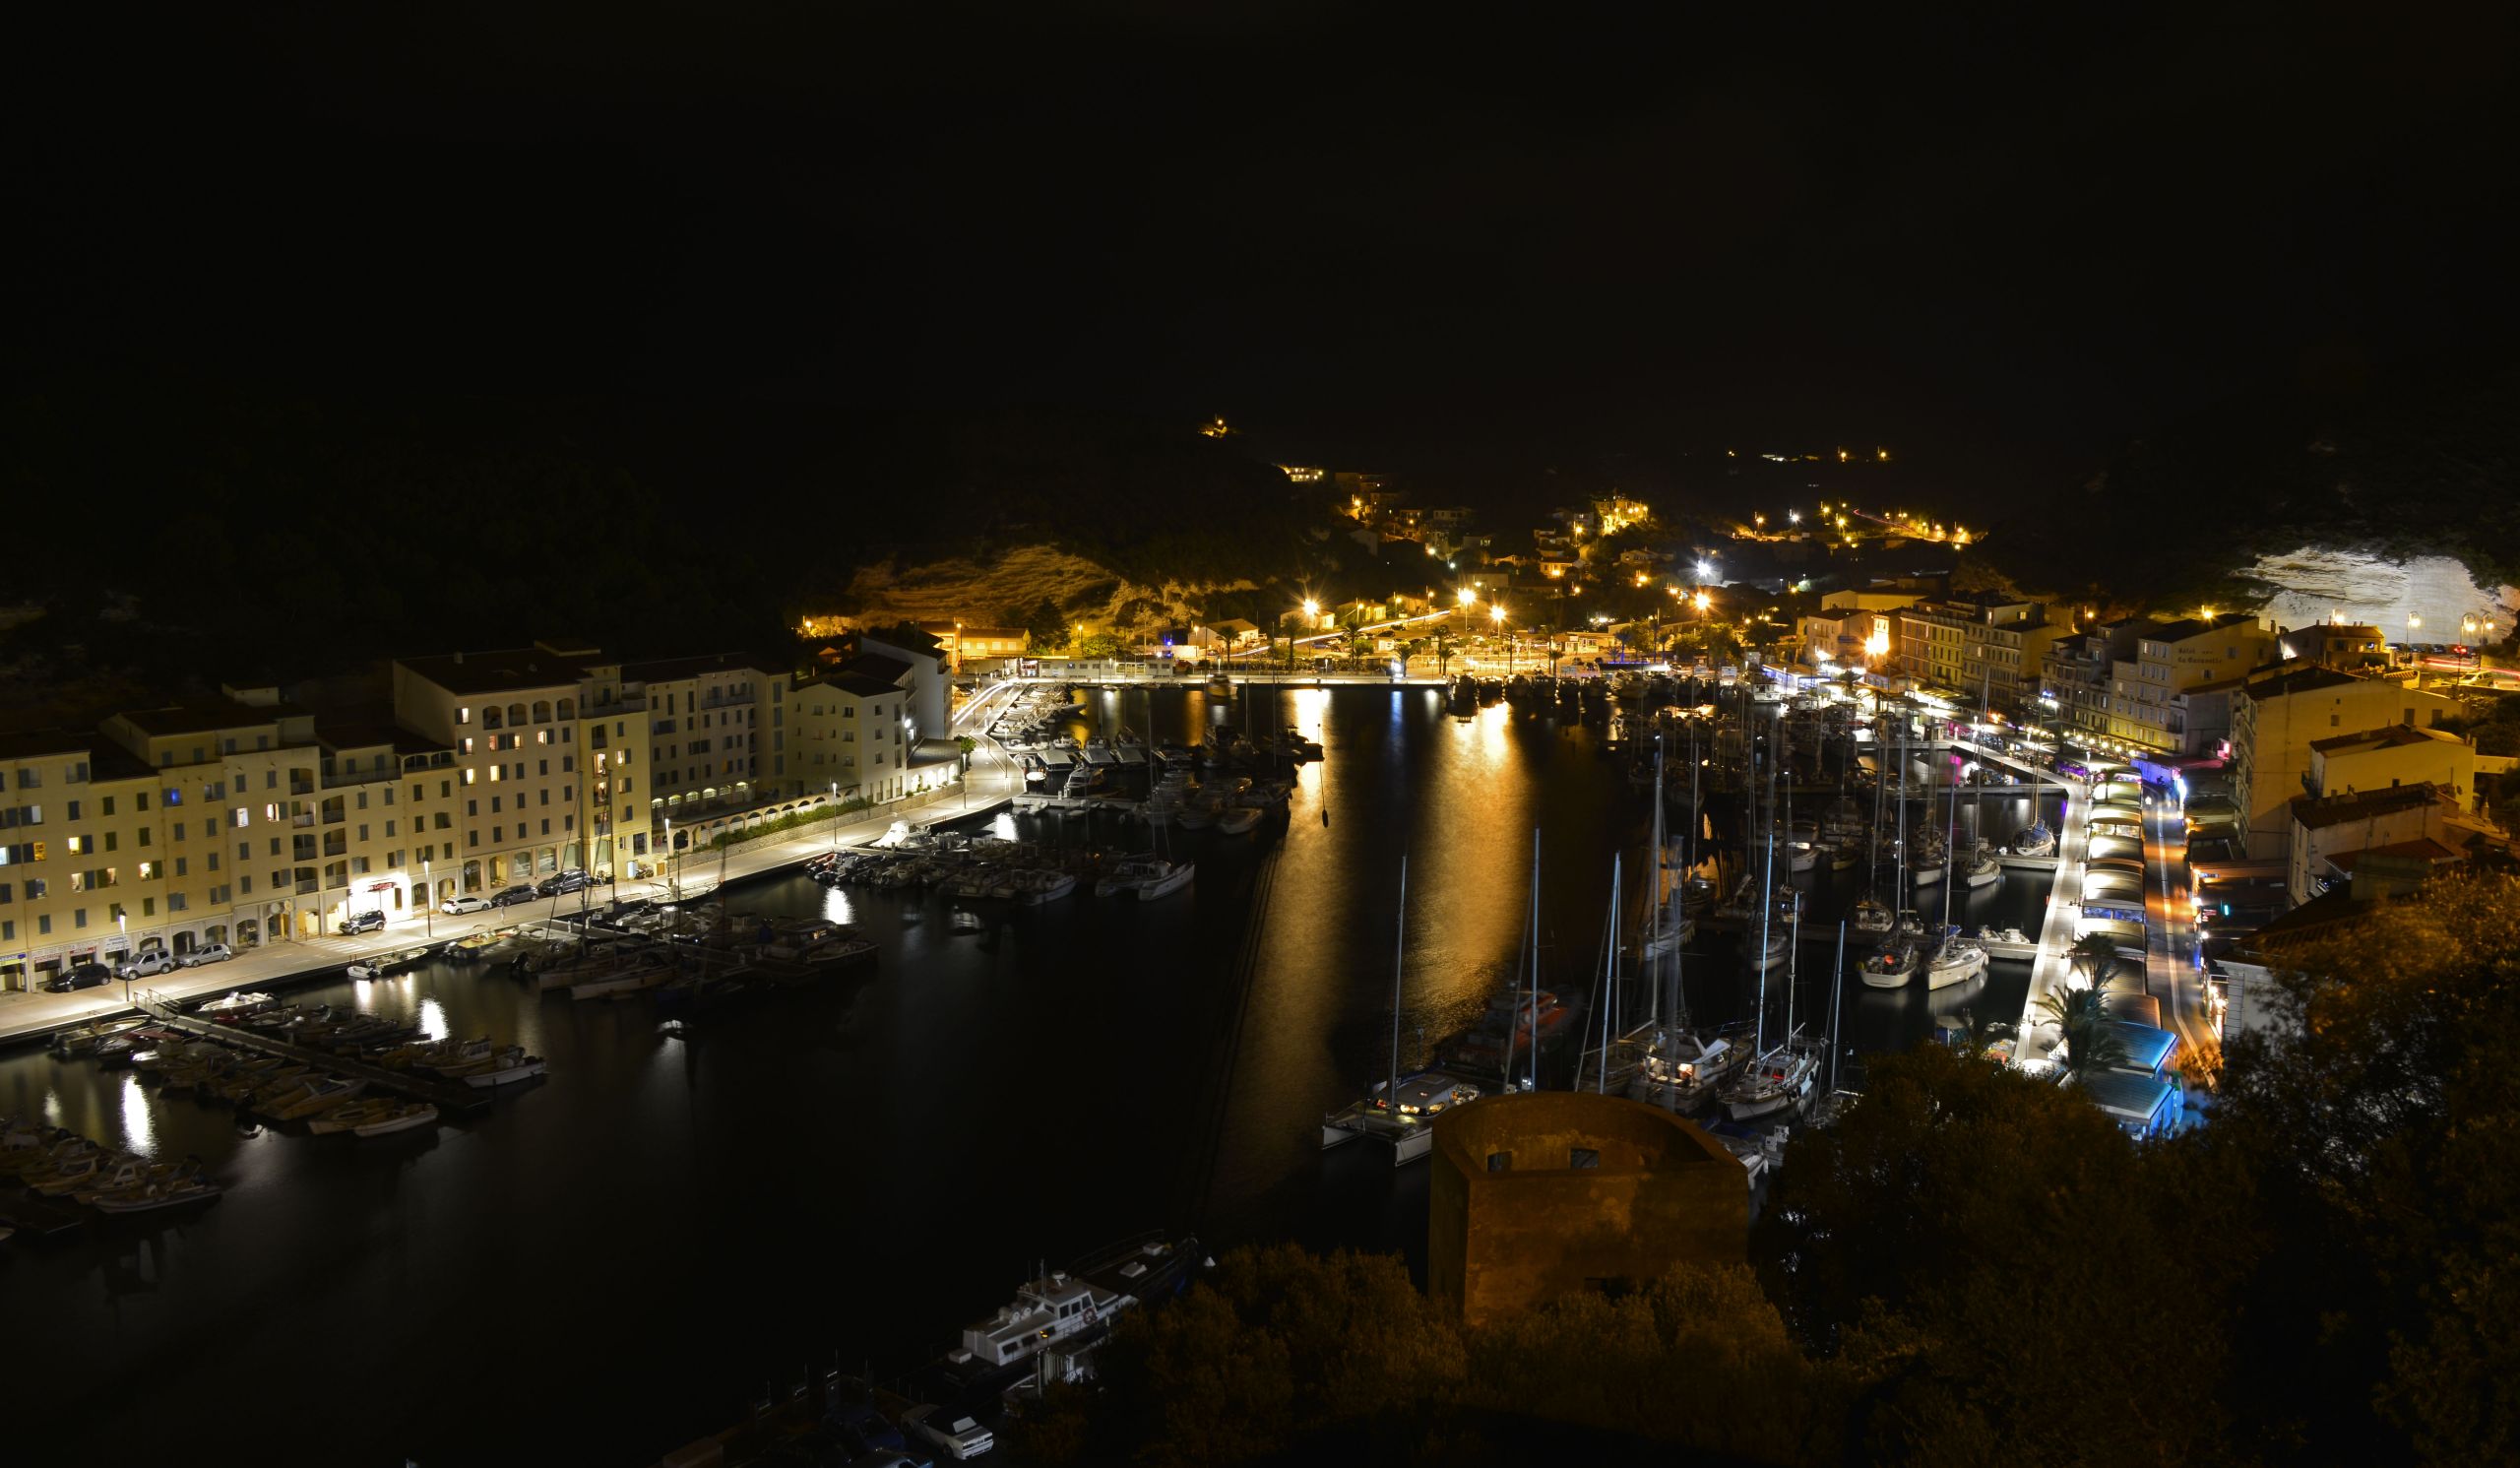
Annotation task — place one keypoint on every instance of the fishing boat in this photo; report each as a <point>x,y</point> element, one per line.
<point>1890,967</point>
<point>157,1195</point>
<point>508,1065</point>
<point>404,1117</point>
<point>356,1113</point>
<point>319,1095</point>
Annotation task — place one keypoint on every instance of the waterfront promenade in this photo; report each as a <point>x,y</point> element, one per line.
<point>994,779</point>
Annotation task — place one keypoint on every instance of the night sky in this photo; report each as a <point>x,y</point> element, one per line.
<point>1429,237</point>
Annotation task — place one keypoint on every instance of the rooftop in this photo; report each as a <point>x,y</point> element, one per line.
<point>42,743</point>
<point>205,715</point>
<point>367,729</point>
<point>2336,810</point>
<point>2421,848</point>
<point>856,684</point>
<point>503,670</point>
<point>2394,737</point>
<point>674,670</point>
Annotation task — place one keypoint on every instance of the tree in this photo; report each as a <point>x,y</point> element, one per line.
<point>1443,654</point>
<point>2096,955</point>
<point>2376,1120</point>
<point>1988,1258</point>
<point>2089,1032</point>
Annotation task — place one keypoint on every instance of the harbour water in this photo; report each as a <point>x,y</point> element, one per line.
<point>620,1258</point>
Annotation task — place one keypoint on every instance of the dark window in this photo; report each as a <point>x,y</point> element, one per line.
<point>1583,1157</point>
<point>1500,1162</point>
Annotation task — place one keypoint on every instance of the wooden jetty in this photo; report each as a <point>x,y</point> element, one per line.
<point>449,1096</point>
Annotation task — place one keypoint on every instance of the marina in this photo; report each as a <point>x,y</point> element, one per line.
<point>846,1115</point>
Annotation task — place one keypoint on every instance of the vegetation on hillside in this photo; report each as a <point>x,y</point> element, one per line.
<point>2423,462</point>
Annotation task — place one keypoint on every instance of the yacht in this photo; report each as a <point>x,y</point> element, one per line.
<point>1781,1078</point>
<point>1874,916</point>
<point>1682,1069</point>
<point>2037,841</point>
<point>1956,962</point>
<point>1984,870</point>
<point>1891,968</point>
<point>1513,1022</point>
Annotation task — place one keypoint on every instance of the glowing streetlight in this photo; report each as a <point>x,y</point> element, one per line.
<point>1465,595</point>
<point>1496,614</point>
<point>1705,568</point>
<point>1795,515</point>
<point>1311,608</point>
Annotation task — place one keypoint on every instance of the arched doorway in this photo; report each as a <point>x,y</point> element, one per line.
<point>249,932</point>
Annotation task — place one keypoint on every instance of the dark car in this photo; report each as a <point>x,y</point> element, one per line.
<point>357,922</point>
<point>80,976</point>
<point>561,883</point>
<point>863,1430</point>
<point>511,896</point>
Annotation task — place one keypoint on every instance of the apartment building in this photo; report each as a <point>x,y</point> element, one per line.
<point>2327,835</point>
<point>2387,758</point>
<point>2347,647</point>
<point>83,856</point>
<point>709,718</point>
<point>850,731</point>
<point>2285,711</point>
<point>2152,663</point>
<point>517,721</point>
<point>2074,682</point>
<point>1976,649</point>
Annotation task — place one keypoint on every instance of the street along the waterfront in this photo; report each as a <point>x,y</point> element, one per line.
<point>620,1256</point>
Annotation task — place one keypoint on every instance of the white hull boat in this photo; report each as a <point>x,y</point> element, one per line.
<point>1957,963</point>
<point>401,1118</point>
<point>518,1070</point>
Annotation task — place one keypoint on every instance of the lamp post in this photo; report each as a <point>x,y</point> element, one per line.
<point>122,930</point>
<point>1464,598</point>
<point>428,900</point>
<point>835,817</point>
<point>1496,614</point>
<point>672,894</point>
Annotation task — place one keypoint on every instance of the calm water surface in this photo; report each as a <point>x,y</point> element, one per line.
<point>609,1262</point>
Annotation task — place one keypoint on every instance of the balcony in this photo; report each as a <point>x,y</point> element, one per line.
<point>614,709</point>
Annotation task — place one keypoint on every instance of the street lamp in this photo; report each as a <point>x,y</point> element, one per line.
<point>672,894</point>
<point>1464,598</point>
<point>1705,569</point>
<point>428,901</point>
<point>123,930</point>
<point>1496,614</point>
<point>835,817</point>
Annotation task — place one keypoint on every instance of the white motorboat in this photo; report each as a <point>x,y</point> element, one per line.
<point>1035,888</point>
<point>1926,876</point>
<point>1146,878</point>
<point>1047,1311</point>
<point>1984,871</point>
<point>364,972</point>
<point>356,1113</point>
<point>1237,820</point>
<point>622,981</point>
<point>1957,962</point>
<point>236,1006</point>
<point>1874,916</point>
<point>1891,968</point>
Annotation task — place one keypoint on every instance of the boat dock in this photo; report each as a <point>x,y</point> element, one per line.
<point>447,1096</point>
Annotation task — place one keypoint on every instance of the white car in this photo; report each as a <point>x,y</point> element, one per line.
<point>206,953</point>
<point>961,1438</point>
<point>458,906</point>
<point>146,965</point>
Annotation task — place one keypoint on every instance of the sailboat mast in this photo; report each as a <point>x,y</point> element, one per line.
<point>1653,944</point>
<point>1837,989</point>
<point>1533,1047</point>
<point>1398,958</point>
<point>1767,908</point>
<point>1609,971</point>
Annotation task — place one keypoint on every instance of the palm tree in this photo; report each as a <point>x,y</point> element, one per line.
<point>1443,654</point>
<point>2095,954</point>
<point>2084,1023</point>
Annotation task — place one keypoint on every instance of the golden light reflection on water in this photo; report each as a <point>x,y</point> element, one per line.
<point>433,1019</point>
<point>836,906</point>
<point>139,1128</point>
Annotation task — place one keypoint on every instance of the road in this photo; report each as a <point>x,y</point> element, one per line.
<point>2170,973</point>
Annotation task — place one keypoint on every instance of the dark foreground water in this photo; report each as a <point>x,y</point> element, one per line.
<point>615,1259</point>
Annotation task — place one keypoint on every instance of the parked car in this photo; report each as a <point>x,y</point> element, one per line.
<point>960,1437</point>
<point>511,896</point>
<point>371,921</point>
<point>206,953</point>
<point>80,976</point>
<point>863,1430</point>
<point>146,965</point>
<point>456,907</point>
<point>561,883</point>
